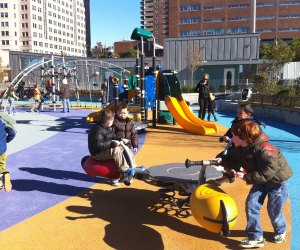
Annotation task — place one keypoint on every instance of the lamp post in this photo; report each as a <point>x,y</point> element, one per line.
<point>142,35</point>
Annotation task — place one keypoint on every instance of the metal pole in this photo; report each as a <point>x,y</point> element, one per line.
<point>143,109</point>
<point>154,117</point>
<point>53,83</point>
<point>88,81</point>
<point>116,95</point>
<point>254,16</point>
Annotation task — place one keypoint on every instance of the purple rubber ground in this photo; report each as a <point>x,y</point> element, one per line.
<point>49,172</point>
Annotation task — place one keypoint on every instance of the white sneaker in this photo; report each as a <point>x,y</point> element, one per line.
<point>279,238</point>
<point>248,243</point>
<point>115,182</point>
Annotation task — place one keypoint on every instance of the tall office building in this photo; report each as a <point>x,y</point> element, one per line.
<point>182,18</point>
<point>44,26</point>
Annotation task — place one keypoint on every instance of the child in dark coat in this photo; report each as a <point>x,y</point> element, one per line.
<point>267,171</point>
<point>211,107</point>
<point>124,127</point>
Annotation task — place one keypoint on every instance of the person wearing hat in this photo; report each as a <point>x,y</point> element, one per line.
<point>211,107</point>
<point>203,89</point>
<point>65,95</point>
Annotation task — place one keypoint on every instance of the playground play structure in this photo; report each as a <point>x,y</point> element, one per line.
<point>142,89</point>
<point>165,86</point>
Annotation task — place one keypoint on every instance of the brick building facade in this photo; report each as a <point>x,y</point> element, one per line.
<point>184,18</point>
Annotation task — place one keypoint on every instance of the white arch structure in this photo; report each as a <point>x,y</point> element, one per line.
<point>87,62</point>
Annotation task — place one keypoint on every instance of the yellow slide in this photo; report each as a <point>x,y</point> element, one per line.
<point>186,119</point>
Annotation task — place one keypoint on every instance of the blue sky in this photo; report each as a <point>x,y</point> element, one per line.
<point>113,20</point>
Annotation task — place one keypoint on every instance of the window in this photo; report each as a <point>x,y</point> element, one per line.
<point>289,3</point>
<point>4,14</point>
<point>265,4</point>
<point>189,20</point>
<point>215,20</point>
<point>289,29</point>
<point>238,30</point>
<point>189,33</point>
<point>194,7</point>
<point>236,6</point>
<point>5,33</point>
<point>265,30</point>
<point>213,32</point>
<point>265,17</point>
<point>214,7</point>
<point>3,5</point>
<point>231,19</point>
<point>289,16</point>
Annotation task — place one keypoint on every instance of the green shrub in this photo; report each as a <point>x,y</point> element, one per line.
<point>285,91</point>
<point>187,89</point>
<point>263,84</point>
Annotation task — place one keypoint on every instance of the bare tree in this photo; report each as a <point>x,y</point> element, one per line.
<point>1,71</point>
<point>195,60</point>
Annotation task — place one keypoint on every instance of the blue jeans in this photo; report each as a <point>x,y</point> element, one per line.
<point>66,104</point>
<point>277,196</point>
<point>12,106</point>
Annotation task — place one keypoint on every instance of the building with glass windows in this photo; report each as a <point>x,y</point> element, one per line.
<point>47,27</point>
<point>275,19</point>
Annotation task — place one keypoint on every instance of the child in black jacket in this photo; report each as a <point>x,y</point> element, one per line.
<point>211,107</point>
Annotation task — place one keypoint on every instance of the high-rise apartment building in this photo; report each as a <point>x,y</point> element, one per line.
<point>44,26</point>
<point>275,19</point>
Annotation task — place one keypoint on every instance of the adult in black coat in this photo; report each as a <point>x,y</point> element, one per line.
<point>203,89</point>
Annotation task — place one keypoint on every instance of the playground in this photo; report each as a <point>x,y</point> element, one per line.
<point>55,205</point>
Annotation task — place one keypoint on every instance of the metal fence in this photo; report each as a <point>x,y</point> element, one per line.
<point>288,102</point>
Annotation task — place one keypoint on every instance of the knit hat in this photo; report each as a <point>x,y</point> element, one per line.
<point>64,81</point>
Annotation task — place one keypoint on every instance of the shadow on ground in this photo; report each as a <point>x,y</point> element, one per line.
<point>130,211</point>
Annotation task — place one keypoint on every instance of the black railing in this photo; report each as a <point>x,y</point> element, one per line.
<point>288,102</point>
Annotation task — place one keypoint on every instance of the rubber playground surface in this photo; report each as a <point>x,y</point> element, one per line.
<point>55,205</point>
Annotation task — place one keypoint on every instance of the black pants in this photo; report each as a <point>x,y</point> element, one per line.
<point>211,112</point>
<point>203,104</point>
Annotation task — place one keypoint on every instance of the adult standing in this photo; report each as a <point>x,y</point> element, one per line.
<point>203,89</point>
<point>20,90</point>
<point>65,95</point>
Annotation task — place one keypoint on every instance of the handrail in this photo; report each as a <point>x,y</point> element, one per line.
<point>287,102</point>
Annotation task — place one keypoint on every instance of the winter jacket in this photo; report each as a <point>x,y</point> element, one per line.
<point>65,91</point>
<point>203,90</point>
<point>263,163</point>
<point>36,94</point>
<point>99,138</point>
<point>7,133</point>
<point>125,129</point>
<point>211,105</point>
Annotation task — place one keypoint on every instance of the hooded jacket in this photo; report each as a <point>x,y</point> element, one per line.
<point>125,129</point>
<point>263,163</point>
<point>100,138</point>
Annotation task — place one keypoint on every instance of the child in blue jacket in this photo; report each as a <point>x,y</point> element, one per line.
<point>7,133</point>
